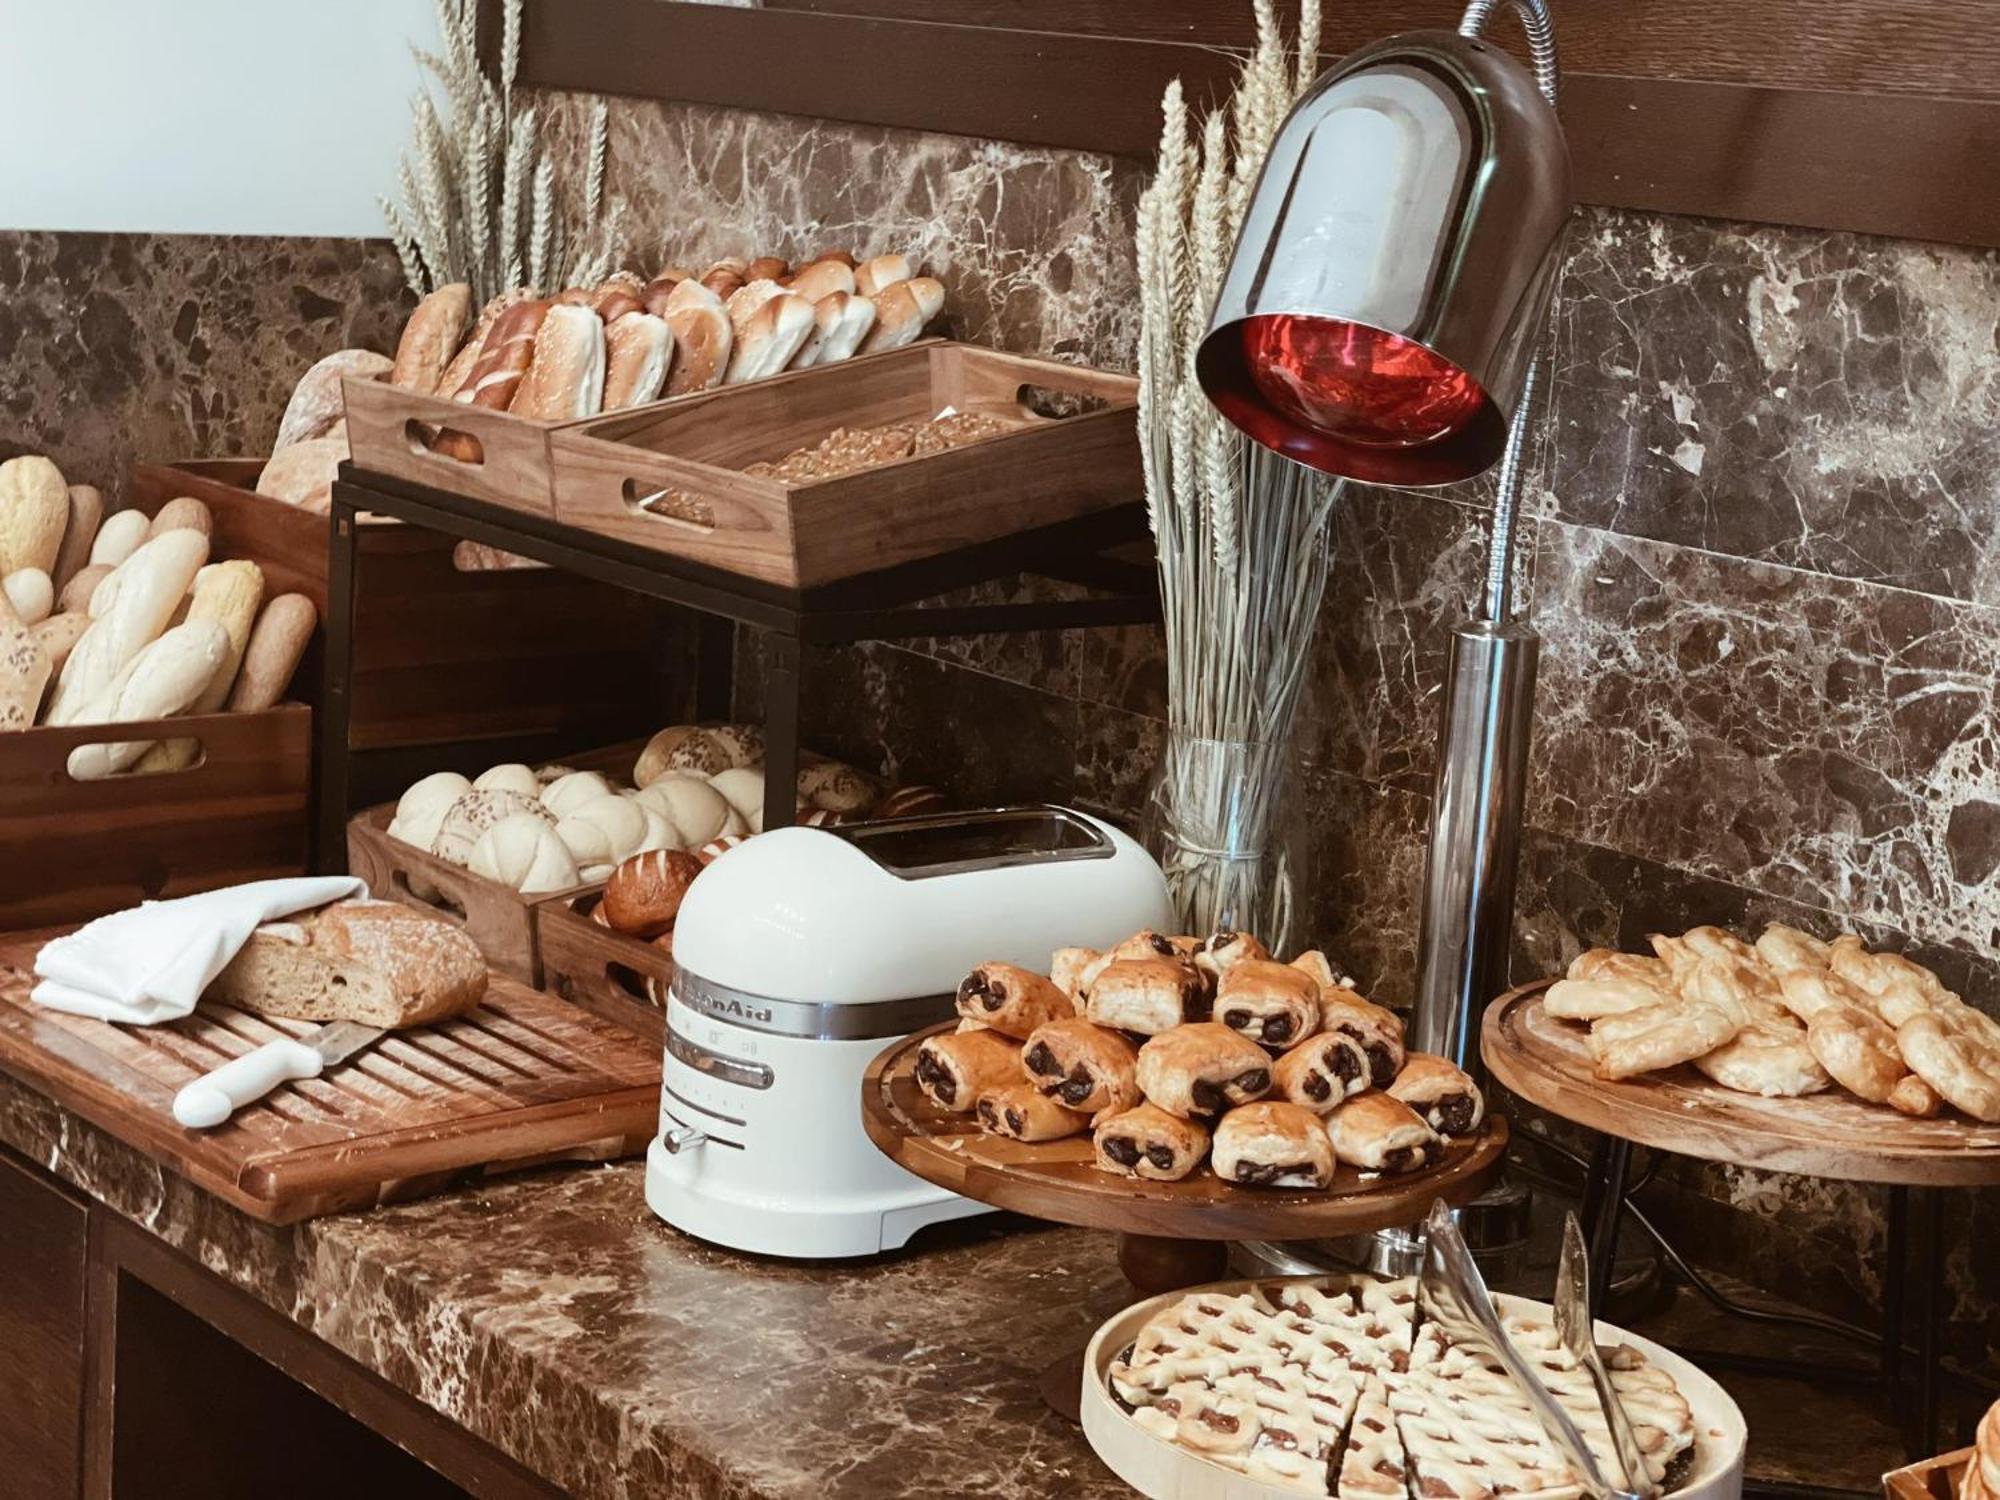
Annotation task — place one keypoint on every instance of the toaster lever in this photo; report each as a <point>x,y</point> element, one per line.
<point>682,1138</point>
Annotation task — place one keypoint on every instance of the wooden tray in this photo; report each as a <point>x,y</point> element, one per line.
<point>392,431</point>
<point>1832,1134</point>
<point>1057,1180</point>
<point>522,1080</point>
<point>1933,1479</point>
<point>1043,471</point>
<point>75,849</point>
<point>1164,1470</point>
<point>443,653</point>
<point>603,971</point>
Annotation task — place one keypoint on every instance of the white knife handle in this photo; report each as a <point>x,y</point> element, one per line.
<point>214,1097</point>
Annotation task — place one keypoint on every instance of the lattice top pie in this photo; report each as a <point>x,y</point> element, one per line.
<point>1337,1387</point>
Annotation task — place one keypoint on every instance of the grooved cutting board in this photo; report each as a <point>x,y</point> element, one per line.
<point>522,1080</point>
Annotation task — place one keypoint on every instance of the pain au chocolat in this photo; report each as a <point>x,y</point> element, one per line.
<point>1081,1066</point>
<point>1200,1070</point>
<point>1011,999</point>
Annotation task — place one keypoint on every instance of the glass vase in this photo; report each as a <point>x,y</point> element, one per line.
<point>1212,823</point>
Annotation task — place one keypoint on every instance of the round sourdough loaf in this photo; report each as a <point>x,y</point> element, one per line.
<point>375,962</point>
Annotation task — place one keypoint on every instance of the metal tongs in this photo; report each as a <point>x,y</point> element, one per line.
<point>1454,1295</point>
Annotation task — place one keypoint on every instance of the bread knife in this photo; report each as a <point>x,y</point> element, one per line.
<point>212,1098</point>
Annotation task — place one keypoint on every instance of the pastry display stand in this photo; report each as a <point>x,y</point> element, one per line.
<point>883,605</point>
<point>1170,1234</point>
<point>1831,1135</point>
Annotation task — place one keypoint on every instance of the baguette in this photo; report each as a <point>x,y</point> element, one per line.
<point>86,513</point>
<point>150,585</point>
<point>766,344</point>
<point>844,321</point>
<point>119,537</point>
<point>163,680</point>
<point>31,594</point>
<point>316,402</point>
<point>565,379</point>
<point>431,338</point>
<point>376,962</point>
<point>58,635</point>
<point>638,349</point>
<point>24,671</point>
<point>874,277</point>
<point>34,510</point>
<point>228,593</point>
<point>184,511</point>
<point>703,338</point>
<point>271,655</point>
<point>821,279</point>
<point>902,312</point>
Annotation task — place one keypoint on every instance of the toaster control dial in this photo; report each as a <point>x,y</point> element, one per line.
<point>682,1138</point>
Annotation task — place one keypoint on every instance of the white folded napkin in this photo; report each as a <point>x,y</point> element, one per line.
<point>151,963</point>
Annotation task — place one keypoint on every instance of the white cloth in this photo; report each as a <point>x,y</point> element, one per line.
<point>151,963</point>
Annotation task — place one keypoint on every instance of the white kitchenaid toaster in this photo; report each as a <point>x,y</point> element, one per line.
<point>802,953</point>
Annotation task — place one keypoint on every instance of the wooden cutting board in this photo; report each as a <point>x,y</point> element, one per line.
<point>522,1080</point>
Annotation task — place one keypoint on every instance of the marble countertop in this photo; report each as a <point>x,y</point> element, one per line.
<point>555,1317</point>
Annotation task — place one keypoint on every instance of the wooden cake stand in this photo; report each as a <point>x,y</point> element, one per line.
<point>1170,1234</point>
<point>1833,1135</point>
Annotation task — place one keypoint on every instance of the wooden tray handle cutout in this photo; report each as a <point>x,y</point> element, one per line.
<point>1051,404</point>
<point>675,507</point>
<point>191,758</point>
<point>453,445</point>
<point>439,901</point>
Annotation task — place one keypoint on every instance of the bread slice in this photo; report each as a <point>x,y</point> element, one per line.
<point>376,962</point>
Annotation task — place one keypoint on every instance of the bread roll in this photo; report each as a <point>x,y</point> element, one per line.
<point>277,641</point>
<point>380,963</point>
<point>459,371</point>
<point>303,474</point>
<point>163,680</point>
<point>767,268</point>
<point>58,635</point>
<point>31,594</point>
<point>34,510</point>
<point>844,321</point>
<point>151,584</point>
<point>565,380</point>
<point>495,377</point>
<point>767,342</point>
<point>693,811</point>
<point>639,347</point>
<point>317,403</point>
<point>184,512</point>
<point>874,277</point>
<point>566,794</point>
<point>86,513</point>
<point>77,593</point>
<point>420,811</point>
<point>474,813</point>
<point>902,312</point>
<point>743,789</point>
<point>703,338</point>
<point>24,670</point>
<point>644,894</point>
<point>431,338</point>
<point>821,279</point>
<point>654,297</point>
<point>510,777</point>
<point>746,299</point>
<point>614,300</point>
<point>603,831</point>
<point>119,537</point>
<point>725,276</point>
<point>845,258</point>
<point>836,787</point>
<point>524,853</point>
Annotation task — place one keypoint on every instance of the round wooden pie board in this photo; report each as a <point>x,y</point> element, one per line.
<point>1058,1180</point>
<point>1833,1134</point>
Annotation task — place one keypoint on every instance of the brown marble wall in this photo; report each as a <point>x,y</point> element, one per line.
<point>1762,559</point>
<point>122,346</point>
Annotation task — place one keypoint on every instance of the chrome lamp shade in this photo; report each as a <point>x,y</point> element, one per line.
<point>1393,274</point>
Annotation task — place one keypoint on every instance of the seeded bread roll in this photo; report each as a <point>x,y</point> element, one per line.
<point>431,338</point>
<point>638,349</point>
<point>766,343</point>
<point>902,312</point>
<point>566,378</point>
<point>820,279</point>
<point>703,338</point>
<point>881,273</point>
<point>24,671</point>
<point>377,962</point>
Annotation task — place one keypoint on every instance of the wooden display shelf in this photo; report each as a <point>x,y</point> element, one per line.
<point>1833,1134</point>
<point>1057,1180</point>
<point>524,1079</point>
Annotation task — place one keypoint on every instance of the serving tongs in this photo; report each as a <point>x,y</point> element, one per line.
<point>1453,1294</point>
<point>1577,1330</point>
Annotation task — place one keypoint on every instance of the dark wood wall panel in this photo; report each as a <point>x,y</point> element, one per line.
<point>1901,160</point>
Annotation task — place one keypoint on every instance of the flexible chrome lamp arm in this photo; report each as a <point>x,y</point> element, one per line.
<point>1541,32</point>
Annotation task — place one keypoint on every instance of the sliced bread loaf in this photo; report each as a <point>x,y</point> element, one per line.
<point>375,962</point>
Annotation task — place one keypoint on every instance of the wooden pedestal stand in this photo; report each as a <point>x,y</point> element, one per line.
<point>1170,1234</point>
<point>1832,1135</point>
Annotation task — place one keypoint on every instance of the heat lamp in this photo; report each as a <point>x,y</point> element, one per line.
<point>1381,321</point>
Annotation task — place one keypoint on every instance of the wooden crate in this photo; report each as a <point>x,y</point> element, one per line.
<point>1044,470</point>
<point>441,653</point>
<point>395,431</point>
<point>71,850</point>
<point>604,972</point>
<point>1933,1479</point>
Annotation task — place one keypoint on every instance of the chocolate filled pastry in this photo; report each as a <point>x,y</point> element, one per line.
<point>1067,968</point>
<point>1379,1133</point>
<point>1147,943</point>
<point>1378,1031</point>
<point>1270,1003</point>
<point>1322,970</point>
<point>1148,1142</point>
<point>1018,1112</point>
<point>1082,1066</point>
<point>1322,1071</point>
<point>1011,999</point>
<point>1441,1092</point>
<point>1222,951</point>
<point>1200,1070</point>
<point>1272,1144</point>
<point>1146,995</point>
<point>953,1069</point>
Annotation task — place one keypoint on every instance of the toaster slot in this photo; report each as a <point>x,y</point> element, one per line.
<point>959,843</point>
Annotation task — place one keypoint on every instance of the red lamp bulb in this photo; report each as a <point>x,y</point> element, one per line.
<point>1357,384</point>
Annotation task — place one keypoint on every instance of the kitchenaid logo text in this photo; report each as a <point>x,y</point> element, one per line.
<point>730,1009</point>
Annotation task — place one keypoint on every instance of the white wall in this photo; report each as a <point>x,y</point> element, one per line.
<point>205,116</point>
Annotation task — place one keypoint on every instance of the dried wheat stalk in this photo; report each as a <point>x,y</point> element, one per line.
<point>1241,533</point>
<point>481,201</point>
